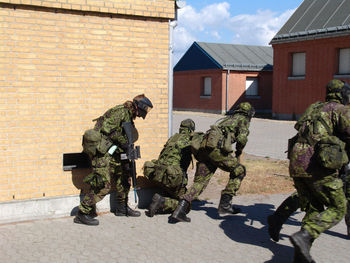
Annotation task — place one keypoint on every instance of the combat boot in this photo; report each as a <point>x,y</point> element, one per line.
<point>85,219</point>
<point>122,209</point>
<point>274,227</point>
<point>302,241</point>
<point>225,206</point>
<point>180,212</point>
<point>158,202</point>
<point>347,219</point>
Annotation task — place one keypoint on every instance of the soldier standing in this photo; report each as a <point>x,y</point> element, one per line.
<point>170,170</point>
<point>216,152</point>
<point>106,159</point>
<point>320,149</point>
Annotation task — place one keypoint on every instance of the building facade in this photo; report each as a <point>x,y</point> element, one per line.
<point>216,77</point>
<point>312,48</point>
<point>63,63</point>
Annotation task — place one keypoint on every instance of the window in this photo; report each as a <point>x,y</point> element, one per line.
<point>344,61</point>
<point>206,89</point>
<point>251,87</point>
<point>298,64</point>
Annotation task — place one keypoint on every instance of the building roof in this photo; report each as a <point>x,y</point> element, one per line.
<point>316,19</point>
<point>202,55</point>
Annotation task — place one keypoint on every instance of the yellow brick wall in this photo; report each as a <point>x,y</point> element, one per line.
<point>146,8</point>
<point>58,71</point>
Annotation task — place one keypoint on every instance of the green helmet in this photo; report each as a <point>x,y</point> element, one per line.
<point>339,91</point>
<point>246,108</point>
<point>188,124</point>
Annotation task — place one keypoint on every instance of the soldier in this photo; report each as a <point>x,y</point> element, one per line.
<point>170,170</point>
<point>319,150</point>
<point>106,159</point>
<point>216,152</point>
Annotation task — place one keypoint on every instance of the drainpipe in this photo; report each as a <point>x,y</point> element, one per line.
<point>172,25</point>
<point>227,78</point>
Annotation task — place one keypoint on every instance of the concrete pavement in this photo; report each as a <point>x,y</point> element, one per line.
<point>267,138</point>
<point>208,238</point>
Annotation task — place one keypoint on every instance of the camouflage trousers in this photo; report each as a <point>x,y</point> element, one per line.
<point>208,162</point>
<point>323,200</point>
<point>287,208</point>
<point>172,199</point>
<point>110,169</point>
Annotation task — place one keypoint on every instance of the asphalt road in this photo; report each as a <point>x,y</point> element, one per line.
<point>267,138</point>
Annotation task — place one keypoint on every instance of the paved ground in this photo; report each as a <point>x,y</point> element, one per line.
<point>267,138</point>
<point>208,238</point>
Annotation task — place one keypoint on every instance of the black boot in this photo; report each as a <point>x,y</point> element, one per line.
<point>302,241</point>
<point>347,219</point>
<point>158,202</point>
<point>85,219</point>
<point>122,209</point>
<point>274,227</point>
<point>225,206</point>
<point>180,212</point>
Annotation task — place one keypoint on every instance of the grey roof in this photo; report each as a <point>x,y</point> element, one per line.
<point>316,19</point>
<point>239,57</point>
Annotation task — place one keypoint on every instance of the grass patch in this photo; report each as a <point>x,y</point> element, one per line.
<point>264,176</point>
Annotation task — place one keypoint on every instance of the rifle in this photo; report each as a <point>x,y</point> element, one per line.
<point>344,173</point>
<point>132,153</point>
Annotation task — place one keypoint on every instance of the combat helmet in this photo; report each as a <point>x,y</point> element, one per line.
<point>188,124</point>
<point>245,108</point>
<point>143,104</point>
<point>339,91</point>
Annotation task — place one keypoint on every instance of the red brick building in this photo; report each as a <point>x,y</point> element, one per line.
<point>215,77</point>
<point>312,48</point>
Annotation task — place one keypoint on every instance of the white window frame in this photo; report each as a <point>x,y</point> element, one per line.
<point>252,87</point>
<point>206,89</point>
<point>299,64</point>
<point>344,61</point>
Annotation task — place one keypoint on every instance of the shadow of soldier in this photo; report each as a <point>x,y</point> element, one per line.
<point>242,228</point>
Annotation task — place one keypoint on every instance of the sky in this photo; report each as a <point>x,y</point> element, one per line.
<point>249,22</point>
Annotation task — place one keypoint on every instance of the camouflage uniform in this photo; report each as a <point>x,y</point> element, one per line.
<point>171,168</point>
<point>291,204</point>
<point>107,166</point>
<point>320,190</point>
<point>236,129</point>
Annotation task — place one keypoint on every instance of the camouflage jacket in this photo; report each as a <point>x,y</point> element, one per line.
<point>236,126</point>
<point>110,124</point>
<point>318,121</point>
<point>177,150</point>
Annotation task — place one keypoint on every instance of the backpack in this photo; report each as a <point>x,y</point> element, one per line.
<point>213,137</point>
<point>93,142</point>
<point>329,150</point>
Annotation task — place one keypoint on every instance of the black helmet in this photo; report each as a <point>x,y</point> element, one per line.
<point>143,104</point>
<point>188,124</point>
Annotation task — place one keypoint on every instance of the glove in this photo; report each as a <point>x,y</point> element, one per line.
<point>124,147</point>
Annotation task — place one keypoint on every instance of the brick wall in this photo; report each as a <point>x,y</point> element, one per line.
<point>60,69</point>
<point>292,96</point>
<point>188,84</point>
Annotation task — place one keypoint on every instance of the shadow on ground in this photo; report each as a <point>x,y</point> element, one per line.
<point>240,228</point>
